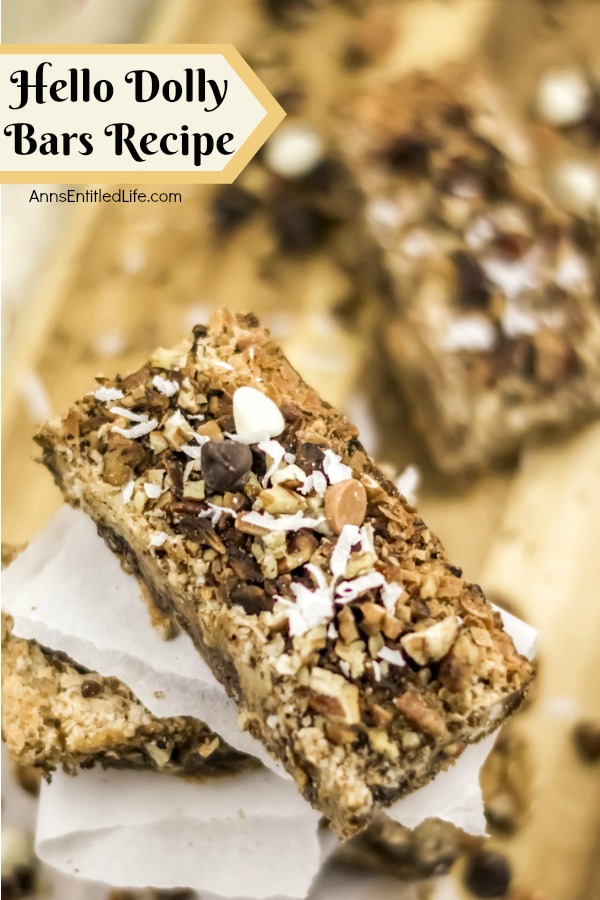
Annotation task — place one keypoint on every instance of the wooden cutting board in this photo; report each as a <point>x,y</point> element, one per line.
<point>128,278</point>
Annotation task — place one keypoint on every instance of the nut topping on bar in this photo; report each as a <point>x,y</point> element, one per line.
<point>313,590</point>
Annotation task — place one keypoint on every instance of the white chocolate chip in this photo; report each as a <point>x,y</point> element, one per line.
<point>255,414</point>
<point>293,151</point>
<point>563,97</point>
<point>577,185</point>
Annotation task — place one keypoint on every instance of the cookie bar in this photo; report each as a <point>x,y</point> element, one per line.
<point>315,592</point>
<point>486,290</point>
<point>56,714</point>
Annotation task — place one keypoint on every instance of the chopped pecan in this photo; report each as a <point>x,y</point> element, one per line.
<point>244,566</point>
<point>333,696</point>
<point>347,625</point>
<point>93,423</point>
<point>121,458</point>
<point>372,617</point>
<point>432,643</point>
<point>175,472</point>
<point>416,711</point>
<point>278,500</point>
<point>251,598</point>
<point>136,379</point>
<point>300,547</point>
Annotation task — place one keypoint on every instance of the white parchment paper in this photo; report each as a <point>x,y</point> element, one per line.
<point>95,613</point>
<point>244,835</point>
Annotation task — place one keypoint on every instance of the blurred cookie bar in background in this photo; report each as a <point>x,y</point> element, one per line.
<point>485,287</point>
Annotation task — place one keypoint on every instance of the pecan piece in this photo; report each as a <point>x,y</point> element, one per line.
<point>121,458</point>
<point>251,598</point>
<point>300,547</point>
<point>333,696</point>
<point>418,713</point>
<point>432,643</point>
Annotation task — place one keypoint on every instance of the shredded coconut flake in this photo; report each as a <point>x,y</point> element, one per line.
<point>281,523</point>
<point>215,512</point>
<point>318,575</point>
<point>276,451</point>
<point>334,468</point>
<point>571,271</point>
<point>349,536</point>
<point>128,414</point>
<point>347,591</point>
<point>127,492</point>
<point>316,482</point>
<point>158,539</point>
<point>367,544</point>
<point>514,277</point>
<point>408,483</point>
<point>376,670</point>
<point>312,608</point>
<point>220,363</point>
<point>192,451</point>
<point>332,631</point>
<point>469,333</point>
<point>394,657</point>
<point>165,386</point>
<point>136,431</point>
<point>390,594</point>
<point>107,394</point>
<point>153,491</point>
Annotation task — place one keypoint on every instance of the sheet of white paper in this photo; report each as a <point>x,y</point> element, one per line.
<point>59,605</point>
<point>68,592</point>
<point>244,835</point>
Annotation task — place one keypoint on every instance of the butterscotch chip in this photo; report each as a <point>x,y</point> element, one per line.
<point>345,504</point>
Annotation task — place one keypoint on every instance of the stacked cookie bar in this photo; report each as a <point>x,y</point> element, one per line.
<point>250,511</point>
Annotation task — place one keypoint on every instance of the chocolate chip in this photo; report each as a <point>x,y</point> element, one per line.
<point>251,598</point>
<point>232,207</point>
<point>245,567</point>
<point>90,688</point>
<point>93,423</point>
<point>225,465</point>
<point>473,288</point>
<point>309,457</point>
<point>408,152</point>
<point>291,13</point>
<point>488,874</point>
<point>122,457</point>
<point>298,227</point>
<point>587,740</point>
